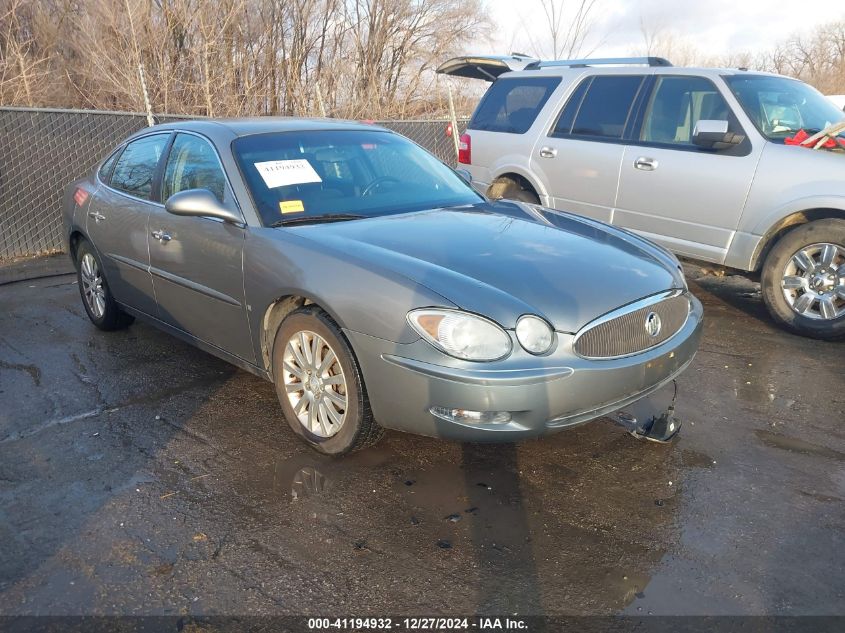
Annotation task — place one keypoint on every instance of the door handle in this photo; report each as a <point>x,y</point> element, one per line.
<point>96,216</point>
<point>645,163</point>
<point>548,152</point>
<point>161,236</point>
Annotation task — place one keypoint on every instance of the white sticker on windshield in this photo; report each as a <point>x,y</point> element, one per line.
<point>281,173</point>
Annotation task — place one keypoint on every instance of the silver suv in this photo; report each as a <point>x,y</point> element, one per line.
<point>693,159</point>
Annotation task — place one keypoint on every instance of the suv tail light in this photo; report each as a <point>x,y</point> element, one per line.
<point>465,150</point>
<point>80,197</point>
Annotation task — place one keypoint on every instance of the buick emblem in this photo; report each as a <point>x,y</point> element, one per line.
<point>653,324</point>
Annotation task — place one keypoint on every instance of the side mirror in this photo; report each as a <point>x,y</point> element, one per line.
<point>200,203</point>
<point>465,176</point>
<point>713,134</point>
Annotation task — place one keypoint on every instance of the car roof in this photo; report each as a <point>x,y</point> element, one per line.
<point>262,125</point>
<point>563,71</point>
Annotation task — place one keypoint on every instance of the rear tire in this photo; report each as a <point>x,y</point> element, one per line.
<point>97,298</point>
<point>320,386</point>
<point>802,290</point>
<point>510,189</point>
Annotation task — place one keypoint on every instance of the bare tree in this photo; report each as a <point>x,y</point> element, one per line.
<point>356,58</point>
<point>565,30</point>
<point>817,58</point>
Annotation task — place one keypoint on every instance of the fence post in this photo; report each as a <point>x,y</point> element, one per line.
<point>150,120</point>
<point>454,121</point>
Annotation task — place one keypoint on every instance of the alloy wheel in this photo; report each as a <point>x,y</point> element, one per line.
<point>92,285</point>
<point>813,281</point>
<point>315,383</point>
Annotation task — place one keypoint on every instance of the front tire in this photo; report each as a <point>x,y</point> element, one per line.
<point>97,298</point>
<point>320,386</point>
<point>803,280</point>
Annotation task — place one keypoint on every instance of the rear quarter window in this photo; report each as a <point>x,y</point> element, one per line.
<point>108,166</point>
<point>511,105</point>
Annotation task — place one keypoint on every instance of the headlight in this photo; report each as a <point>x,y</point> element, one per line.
<point>461,335</point>
<point>534,334</point>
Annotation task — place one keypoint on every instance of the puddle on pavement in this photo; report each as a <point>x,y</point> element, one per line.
<point>309,475</point>
<point>568,523</point>
<point>694,459</point>
<point>795,445</point>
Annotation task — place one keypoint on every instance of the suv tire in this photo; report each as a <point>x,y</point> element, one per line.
<point>511,190</point>
<point>812,279</point>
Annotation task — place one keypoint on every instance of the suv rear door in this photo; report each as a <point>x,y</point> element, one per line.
<point>687,198</point>
<point>579,158</point>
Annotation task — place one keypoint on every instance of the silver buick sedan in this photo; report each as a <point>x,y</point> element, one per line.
<point>374,287</point>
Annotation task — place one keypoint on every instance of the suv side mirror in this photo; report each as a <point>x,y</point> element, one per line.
<point>713,134</point>
<point>200,203</point>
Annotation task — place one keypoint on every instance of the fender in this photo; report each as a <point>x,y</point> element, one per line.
<point>502,168</point>
<point>834,203</point>
<point>764,230</point>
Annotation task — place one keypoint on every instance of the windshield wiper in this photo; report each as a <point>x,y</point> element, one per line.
<point>317,219</point>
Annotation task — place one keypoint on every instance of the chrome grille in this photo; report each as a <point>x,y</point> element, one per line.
<point>624,332</point>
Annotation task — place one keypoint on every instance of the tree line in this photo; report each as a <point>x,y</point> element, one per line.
<point>371,59</point>
<point>816,57</point>
<point>344,58</point>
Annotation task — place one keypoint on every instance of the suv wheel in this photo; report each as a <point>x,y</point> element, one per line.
<point>803,280</point>
<point>319,384</point>
<point>511,190</point>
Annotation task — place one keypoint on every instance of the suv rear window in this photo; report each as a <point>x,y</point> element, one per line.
<point>599,107</point>
<point>511,105</point>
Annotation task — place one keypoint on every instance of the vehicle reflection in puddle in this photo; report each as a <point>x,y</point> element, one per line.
<point>308,482</point>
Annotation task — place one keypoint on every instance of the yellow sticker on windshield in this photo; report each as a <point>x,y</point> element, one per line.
<point>291,206</point>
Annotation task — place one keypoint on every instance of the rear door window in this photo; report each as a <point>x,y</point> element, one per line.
<point>600,108</point>
<point>511,105</point>
<point>134,170</point>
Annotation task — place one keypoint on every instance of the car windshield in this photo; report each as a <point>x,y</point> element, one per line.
<point>297,177</point>
<point>780,107</point>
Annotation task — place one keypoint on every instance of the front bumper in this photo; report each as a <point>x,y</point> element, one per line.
<point>542,394</point>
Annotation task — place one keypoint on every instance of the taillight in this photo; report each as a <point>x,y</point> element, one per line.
<point>80,197</point>
<point>465,150</point>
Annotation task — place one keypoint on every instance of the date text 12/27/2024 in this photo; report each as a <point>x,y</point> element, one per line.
<point>418,624</point>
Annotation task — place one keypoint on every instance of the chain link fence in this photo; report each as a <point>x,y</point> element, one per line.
<point>41,151</point>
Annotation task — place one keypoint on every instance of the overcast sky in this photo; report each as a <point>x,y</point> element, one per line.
<point>714,26</point>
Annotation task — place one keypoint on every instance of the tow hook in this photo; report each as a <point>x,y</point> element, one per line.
<point>646,419</point>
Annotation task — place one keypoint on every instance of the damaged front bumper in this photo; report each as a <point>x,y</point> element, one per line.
<point>652,418</point>
<point>524,396</point>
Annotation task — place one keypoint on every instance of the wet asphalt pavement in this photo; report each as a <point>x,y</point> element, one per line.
<point>139,475</point>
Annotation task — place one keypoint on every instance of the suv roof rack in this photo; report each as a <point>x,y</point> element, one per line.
<point>608,61</point>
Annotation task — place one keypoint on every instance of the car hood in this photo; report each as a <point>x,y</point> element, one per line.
<point>503,260</point>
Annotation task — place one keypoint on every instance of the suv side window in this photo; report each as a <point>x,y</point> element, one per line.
<point>192,164</point>
<point>512,105</point>
<point>677,104</point>
<point>599,107</point>
<point>134,171</point>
